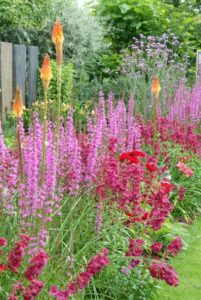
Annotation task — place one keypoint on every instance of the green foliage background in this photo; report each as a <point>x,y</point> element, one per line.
<point>95,35</point>
<point>129,18</point>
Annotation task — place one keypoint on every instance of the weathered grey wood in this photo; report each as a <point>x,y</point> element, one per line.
<point>32,73</point>
<point>19,68</point>
<point>6,75</point>
<point>198,66</point>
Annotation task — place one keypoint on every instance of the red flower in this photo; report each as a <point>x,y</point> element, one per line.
<point>156,247</point>
<point>151,167</point>
<point>182,193</point>
<point>3,242</point>
<point>166,185</point>
<point>129,156</point>
<point>138,153</point>
<point>135,247</point>
<point>133,160</point>
<point>145,216</point>
<point>3,268</point>
<point>38,262</point>
<point>161,270</point>
<point>124,156</point>
<point>32,290</point>
<point>175,246</point>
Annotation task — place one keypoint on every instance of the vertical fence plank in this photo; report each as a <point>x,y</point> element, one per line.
<point>19,68</point>
<point>32,73</point>
<point>198,66</point>
<point>6,75</point>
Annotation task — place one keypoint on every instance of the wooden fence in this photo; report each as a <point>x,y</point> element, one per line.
<point>18,66</point>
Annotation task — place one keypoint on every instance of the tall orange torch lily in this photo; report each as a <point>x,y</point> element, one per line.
<point>156,88</point>
<point>46,72</point>
<point>58,39</point>
<point>18,111</point>
<point>18,103</point>
<point>46,76</point>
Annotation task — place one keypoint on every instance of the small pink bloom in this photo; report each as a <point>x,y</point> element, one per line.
<point>3,242</point>
<point>184,169</point>
<point>151,166</point>
<point>175,246</point>
<point>156,247</point>
<point>138,153</point>
<point>53,290</point>
<point>3,268</point>
<point>135,247</point>
<point>166,186</point>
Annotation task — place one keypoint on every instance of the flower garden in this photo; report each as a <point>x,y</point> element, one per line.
<point>98,211</point>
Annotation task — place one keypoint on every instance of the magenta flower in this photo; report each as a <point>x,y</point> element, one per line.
<point>157,247</point>
<point>3,242</point>
<point>175,246</point>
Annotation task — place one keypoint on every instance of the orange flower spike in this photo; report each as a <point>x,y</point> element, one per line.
<point>57,33</point>
<point>46,71</point>
<point>58,39</point>
<point>18,103</point>
<point>156,88</point>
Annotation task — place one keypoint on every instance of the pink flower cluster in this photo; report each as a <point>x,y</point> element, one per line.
<point>3,243</point>
<point>33,289</point>
<point>94,266</point>
<point>135,247</point>
<point>37,263</point>
<point>175,246</point>
<point>29,292</point>
<point>156,247</point>
<point>171,130</point>
<point>161,270</point>
<point>184,169</point>
<point>16,256</point>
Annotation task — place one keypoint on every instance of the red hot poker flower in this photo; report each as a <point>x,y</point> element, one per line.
<point>156,86</point>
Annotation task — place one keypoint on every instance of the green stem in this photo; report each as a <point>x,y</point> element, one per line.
<point>155,110</point>
<point>20,151</point>
<point>44,135</point>
<point>59,71</point>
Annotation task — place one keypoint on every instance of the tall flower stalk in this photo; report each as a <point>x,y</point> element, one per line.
<point>46,75</point>
<point>18,111</point>
<point>58,39</point>
<point>156,91</point>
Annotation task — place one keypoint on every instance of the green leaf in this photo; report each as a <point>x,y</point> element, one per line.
<point>124,8</point>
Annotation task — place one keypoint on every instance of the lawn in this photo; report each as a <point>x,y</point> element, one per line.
<point>188,266</point>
